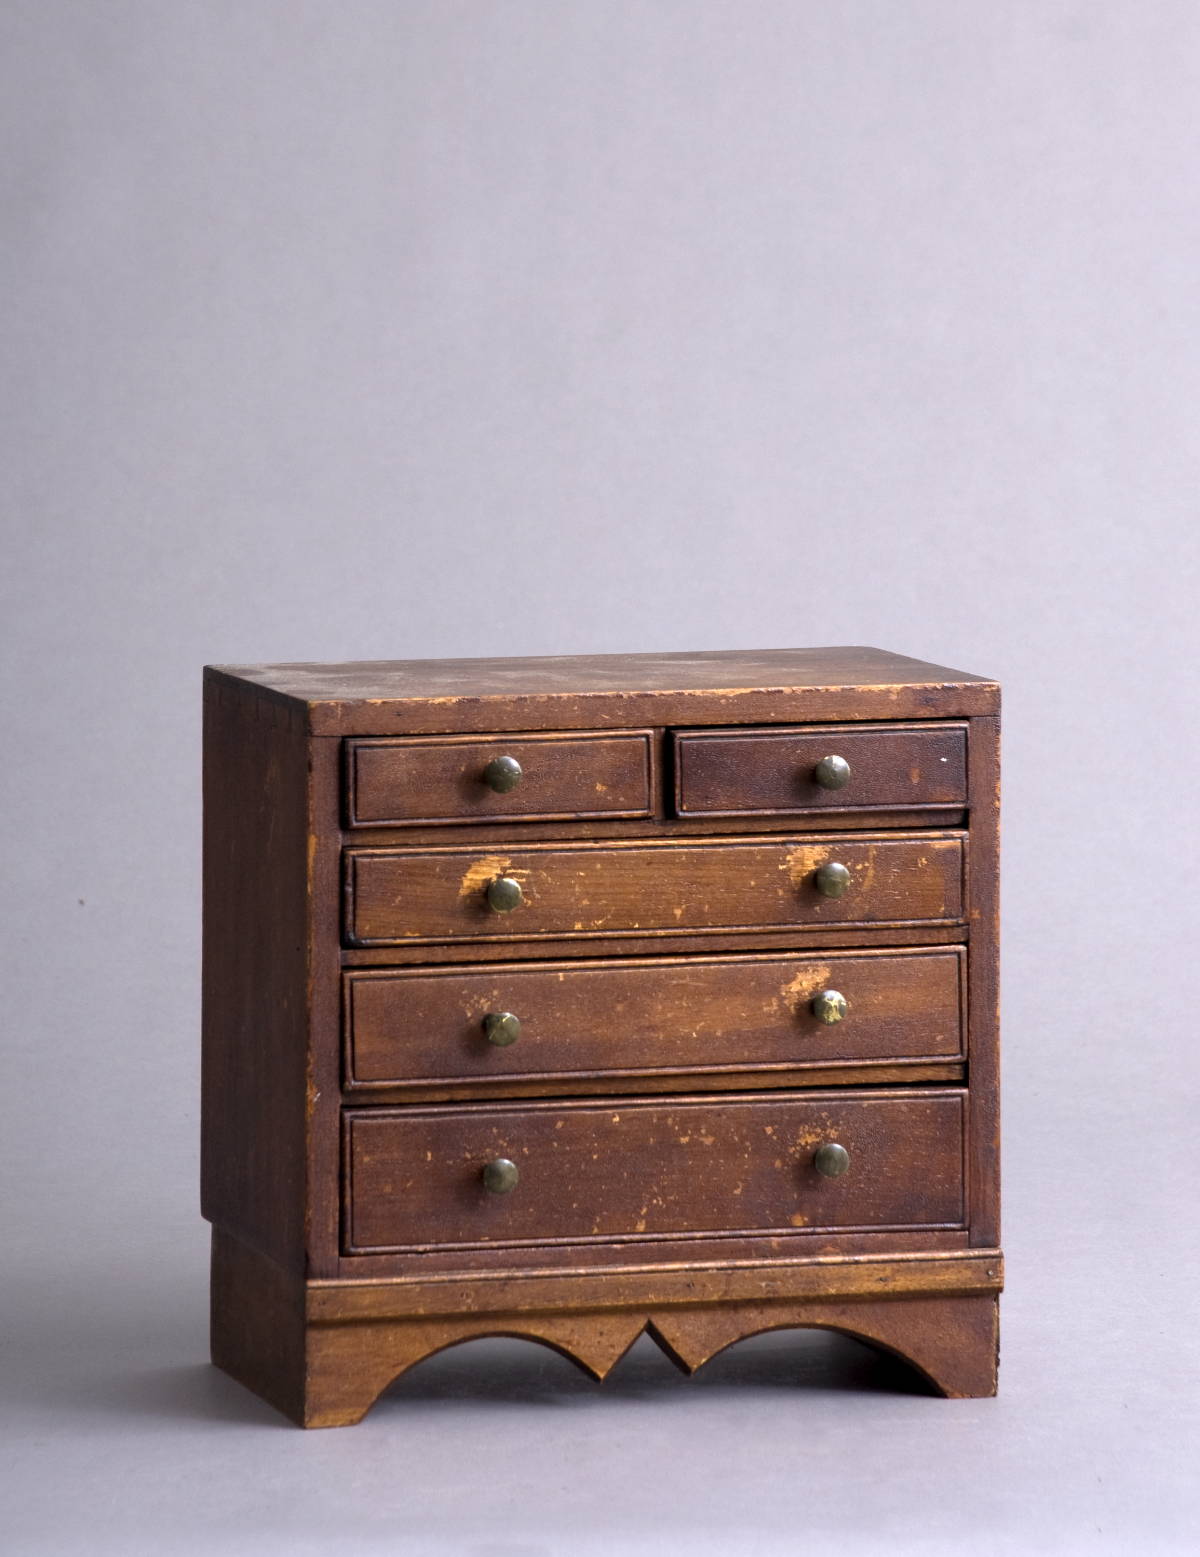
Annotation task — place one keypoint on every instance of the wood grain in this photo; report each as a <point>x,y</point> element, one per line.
<point>437,782</point>
<point>703,1278</point>
<point>649,887</point>
<point>324,1352</point>
<point>984,983</point>
<point>634,1169</point>
<point>670,1017</point>
<point>950,1342</point>
<point>816,938</point>
<point>254,1015</point>
<point>893,767</point>
<point>662,967</point>
<point>614,691</point>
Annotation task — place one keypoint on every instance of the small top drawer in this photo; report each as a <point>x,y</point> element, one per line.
<point>443,779</point>
<point>820,768</point>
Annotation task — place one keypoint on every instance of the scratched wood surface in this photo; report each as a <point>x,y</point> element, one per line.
<point>255,1019</point>
<point>892,768</point>
<point>409,781</point>
<point>983,1012</point>
<point>323,1352</point>
<point>652,888</point>
<point>599,691</point>
<point>635,1169</point>
<point>661,964</point>
<point>950,1343</point>
<point>642,1017</point>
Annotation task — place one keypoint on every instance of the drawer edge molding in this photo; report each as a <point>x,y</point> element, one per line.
<point>947,1272</point>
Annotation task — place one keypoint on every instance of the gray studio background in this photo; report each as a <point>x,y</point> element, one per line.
<point>426,327</point>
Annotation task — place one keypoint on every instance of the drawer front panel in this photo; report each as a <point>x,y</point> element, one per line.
<point>635,1170</point>
<point>778,772</point>
<point>400,783</point>
<point>395,896</point>
<point>695,1014</point>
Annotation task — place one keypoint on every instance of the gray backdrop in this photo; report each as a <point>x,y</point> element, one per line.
<point>433,327</point>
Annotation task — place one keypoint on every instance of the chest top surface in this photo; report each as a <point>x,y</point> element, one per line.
<point>577,691</point>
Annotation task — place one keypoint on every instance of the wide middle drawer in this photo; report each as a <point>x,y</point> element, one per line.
<point>525,1022</point>
<point>396,896</point>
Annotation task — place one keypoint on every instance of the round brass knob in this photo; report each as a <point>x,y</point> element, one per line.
<point>832,772</point>
<point>830,1160</point>
<point>502,774</point>
<point>831,879</point>
<point>504,894</point>
<point>829,1006</point>
<point>501,1028</point>
<point>500,1175</point>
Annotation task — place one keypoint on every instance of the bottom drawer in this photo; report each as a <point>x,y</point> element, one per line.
<point>621,1171</point>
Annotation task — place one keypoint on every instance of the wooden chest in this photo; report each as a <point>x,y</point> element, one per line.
<point>570,998</point>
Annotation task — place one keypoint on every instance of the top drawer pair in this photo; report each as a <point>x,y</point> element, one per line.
<point>778,771</point>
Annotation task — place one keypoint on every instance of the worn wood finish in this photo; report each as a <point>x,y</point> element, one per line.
<point>896,767</point>
<point>630,1169</point>
<point>348,1342</point>
<point>819,938</point>
<point>615,691</point>
<point>662,1018</point>
<point>254,1015</point>
<point>661,965</point>
<point>768,1077</point>
<point>323,1099</point>
<point>650,888</point>
<point>485,832</point>
<point>950,1342</point>
<point>984,985</point>
<point>258,1328</point>
<point>706,1277</point>
<point>575,777</point>
<point>487,1259</point>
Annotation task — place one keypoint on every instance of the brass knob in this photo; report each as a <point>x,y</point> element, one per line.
<point>831,879</point>
<point>830,1160</point>
<point>502,774</point>
<point>504,894</point>
<point>500,1175</point>
<point>832,772</point>
<point>829,1006</point>
<point>501,1028</point>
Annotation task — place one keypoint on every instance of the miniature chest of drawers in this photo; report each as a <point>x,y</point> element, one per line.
<point>571,998</point>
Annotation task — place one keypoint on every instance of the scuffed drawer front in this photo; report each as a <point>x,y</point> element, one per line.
<point>508,1023</point>
<point>394,896</point>
<point>636,1170</point>
<point>432,780</point>
<point>814,768</point>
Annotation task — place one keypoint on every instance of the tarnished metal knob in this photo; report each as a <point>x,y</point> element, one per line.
<point>829,1006</point>
<point>831,879</point>
<point>830,1160</point>
<point>501,1028</point>
<point>832,772</point>
<point>500,1175</point>
<point>502,774</point>
<point>504,894</point>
